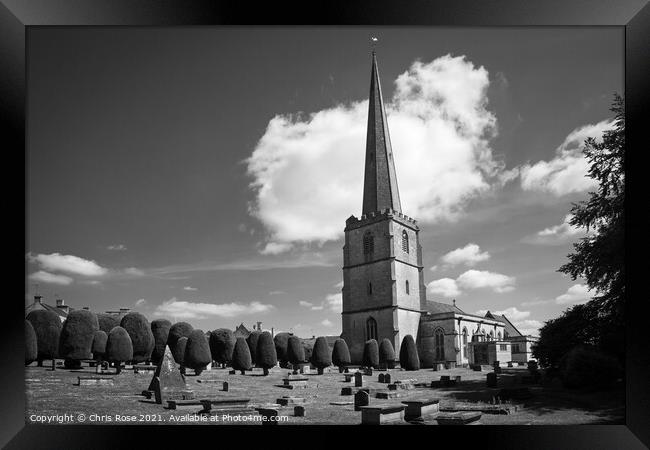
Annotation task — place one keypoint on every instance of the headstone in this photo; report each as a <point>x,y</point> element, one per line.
<point>168,383</point>
<point>509,363</point>
<point>393,387</point>
<point>232,372</point>
<point>381,377</point>
<point>369,371</point>
<point>269,415</point>
<point>358,379</point>
<point>387,378</point>
<point>348,377</point>
<point>225,386</point>
<point>306,369</point>
<point>98,368</point>
<point>299,411</point>
<point>361,398</point>
<point>346,391</point>
<point>492,379</point>
<point>377,415</point>
<point>284,401</point>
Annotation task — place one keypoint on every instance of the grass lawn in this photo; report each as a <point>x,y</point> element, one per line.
<point>54,393</point>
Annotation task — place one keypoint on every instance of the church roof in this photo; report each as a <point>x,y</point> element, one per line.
<point>380,183</point>
<point>509,327</point>
<point>241,331</point>
<point>40,305</point>
<point>437,308</point>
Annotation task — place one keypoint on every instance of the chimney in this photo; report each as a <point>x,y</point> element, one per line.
<point>272,332</point>
<point>60,304</point>
<point>259,326</point>
<point>38,298</point>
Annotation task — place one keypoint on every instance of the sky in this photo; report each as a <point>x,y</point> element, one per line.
<point>205,174</point>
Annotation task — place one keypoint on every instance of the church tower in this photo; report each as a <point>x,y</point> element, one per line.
<point>383,284</point>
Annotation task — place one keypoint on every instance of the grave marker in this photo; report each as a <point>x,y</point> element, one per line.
<point>492,379</point>
<point>376,415</point>
<point>358,379</point>
<point>299,411</point>
<point>361,398</point>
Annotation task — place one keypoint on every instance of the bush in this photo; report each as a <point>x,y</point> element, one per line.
<point>241,356</point>
<point>341,355</point>
<point>178,352</point>
<point>281,341</point>
<point>177,331</point>
<point>371,354</point>
<point>584,366</point>
<point>197,352</point>
<point>77,334</point>
<point>141,335</point>
<point>160,330</point>
<point>222,344</point>
<point>295,350</point>
<point>119,347</point>
<point>408,354</point>
<point>107,322</point>
<point>99,345</point>
<point>31,342</point>
<point>265,352</point>
<point>252,344</point>
<point>321,356</point>
<point>386,354</point>
<point>47,326</point>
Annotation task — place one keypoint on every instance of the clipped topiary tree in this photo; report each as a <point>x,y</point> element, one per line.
<point>386,354</point>
<point>321,356</point>
<point>160,330</point>
<point>308,348</point>
<point>141,335</point>
<point>31,343</point>
<point>222,344</point>
<point>47,326</point>
<point>341,355</point>
<point>251,340</point>
<point>77,334</point>
<point>107,322</point>
<point>408,354</point>
<point>99,345</point>
<point>281,341</point>
<point>119,348</point>
<point>295,351</point>
<point>266,355</point>
<point>197,352</point>
<point>177,331</point>
<point>241,356</point>
<point>371,354</point>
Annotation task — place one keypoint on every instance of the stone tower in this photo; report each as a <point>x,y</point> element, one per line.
<point>383,285</point>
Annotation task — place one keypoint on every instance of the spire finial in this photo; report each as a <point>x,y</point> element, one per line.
<point>374,42</point>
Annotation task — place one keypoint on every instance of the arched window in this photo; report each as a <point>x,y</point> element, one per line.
<point>491,336</point>
<point>369,288</point>
<point>368,245</point>
<point>407,287</point>
<point>439,341</point>
<point>505,335</point>
<point>465,342</point>
<point>498,335</point>
<point>405,242</point>
<point>371,329</point>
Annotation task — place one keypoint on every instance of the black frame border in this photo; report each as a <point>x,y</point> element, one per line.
<point>17,16</point>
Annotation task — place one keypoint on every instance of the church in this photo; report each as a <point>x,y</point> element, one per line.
<point>384,294</point>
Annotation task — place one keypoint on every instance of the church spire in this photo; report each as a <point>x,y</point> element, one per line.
<point>380,183</point>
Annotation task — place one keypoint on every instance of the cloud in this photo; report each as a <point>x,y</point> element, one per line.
<point>135,272</point>
<point>578,294</point>
<point>276,292</point>
<point>69,264</point>
<point>535,302</point>
<point>45,277</point>
<point>528,327</point>
<point>334,302</point>
<point>190,288</point>
<point>307,171</point>
<point>519,319</point>
<point>567,171</point>
<point>512,313</point>
<point>468,255</point>
<point>326,323</point>
<point>197,310</point>
<point>446,287</point>
<point>339,285</point>
<point>117,247</point>
<point>305,304</point>
<point>433,268</point>
<point>477,279</point>
<point>557,234</point>
<point>140,302</point>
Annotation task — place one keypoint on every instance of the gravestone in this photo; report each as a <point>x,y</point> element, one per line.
<point>299,411</point>
<point>225,386</point>
<point>369,371</point>
<point>491,379</point>
<point>232,372</point>
<point>346,391</point>
<point>381,377</point>
<point>361,398</point>
<point>387,378</point>
<point>168,383</point>
<point>509,363</point>
<point>269,415</point>
<point>358,379</point>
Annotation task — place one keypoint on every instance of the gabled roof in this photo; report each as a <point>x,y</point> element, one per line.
<point>241,331</point>
<point>36,306</point>
<point>509,327</point>
<point>437,308</point>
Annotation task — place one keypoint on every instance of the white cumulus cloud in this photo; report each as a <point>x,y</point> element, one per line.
<point>308,170</point>
<point>190,288</point>
<point>446,287</point>
<point>56,262</point>
<point>45,277</point>
<point>326,323</point>
<point>567,171</point>
<point>557,234</point>
<point>477,279</point>
<point>197,310</point>
<point>578,293</point>
<point>468,255</point>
